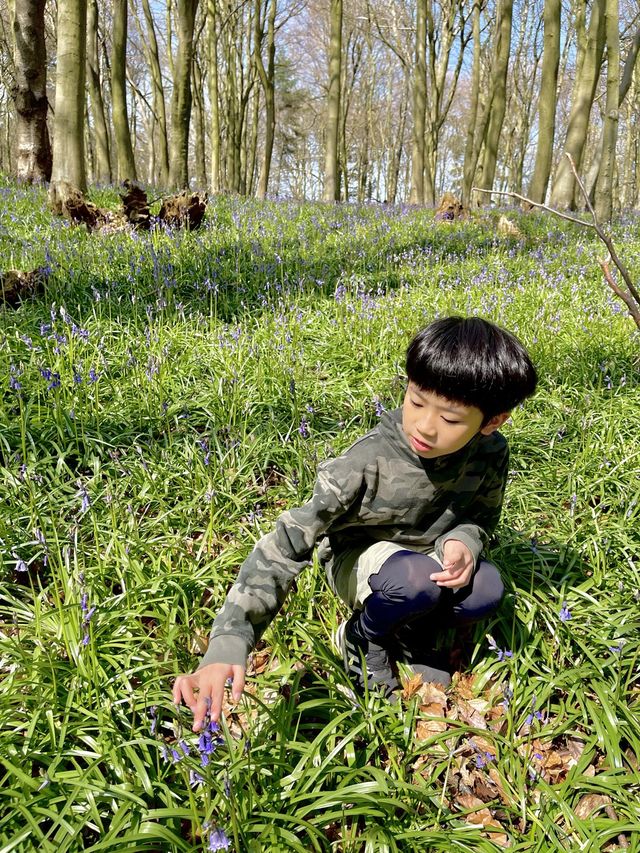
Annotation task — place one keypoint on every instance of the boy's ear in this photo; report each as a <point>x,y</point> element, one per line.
<point>495,423</point>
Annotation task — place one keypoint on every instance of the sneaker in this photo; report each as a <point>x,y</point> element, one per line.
<point>426,662</point>
<point>367,664</point>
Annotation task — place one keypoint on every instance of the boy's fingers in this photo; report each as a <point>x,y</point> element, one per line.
<point>182,690</point>
<point>238,683</point>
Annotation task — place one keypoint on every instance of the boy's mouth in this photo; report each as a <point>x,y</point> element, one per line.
<point>420,445</point>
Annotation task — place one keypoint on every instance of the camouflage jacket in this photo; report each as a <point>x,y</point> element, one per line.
<point>378,489</point>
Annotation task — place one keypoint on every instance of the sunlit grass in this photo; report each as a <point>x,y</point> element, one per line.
<point>150,431</point>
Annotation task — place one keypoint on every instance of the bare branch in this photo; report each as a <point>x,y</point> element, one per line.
<point>630,299</point>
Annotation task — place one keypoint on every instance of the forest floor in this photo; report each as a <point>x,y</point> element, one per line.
<point>165,397</point>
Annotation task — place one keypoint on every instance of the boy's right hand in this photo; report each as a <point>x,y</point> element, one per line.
<point>209,683</point>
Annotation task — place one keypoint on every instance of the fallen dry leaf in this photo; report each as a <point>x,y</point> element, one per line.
<point>479,814</point>
<point>590,803</point>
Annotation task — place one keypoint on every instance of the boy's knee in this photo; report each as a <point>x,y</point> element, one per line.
<point>405,576</point>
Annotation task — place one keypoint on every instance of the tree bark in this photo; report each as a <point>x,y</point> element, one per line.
<point>625,83</point>
<point>126,166</point>
<point>159,109</point>
<point>214,95</point>
<point>29,91</point>
<point>200,158</point>
<point>102,169</point>
<point>331,190</point>
<point>68,125</point>
<point>419,105</point>
<point>604,188</point>
<point>472,144</point>
<point>181,99</point>
<point>564,185</point>
<point>547,101</point>
<point>499,90</point>
<point>267,81</point>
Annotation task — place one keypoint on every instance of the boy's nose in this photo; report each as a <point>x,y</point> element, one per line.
<point>426,426</point>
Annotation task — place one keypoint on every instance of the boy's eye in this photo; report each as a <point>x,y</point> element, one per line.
<point>448,421</point>
<point>416,404</point>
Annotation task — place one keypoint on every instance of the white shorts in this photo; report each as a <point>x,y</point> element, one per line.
<point>351,570</point>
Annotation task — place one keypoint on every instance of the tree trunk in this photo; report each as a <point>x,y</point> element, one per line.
<point>604,189</point>
<point>159,110</point>
<point>214,95</point>
<point>331,190</point>
<point>499,91</point>
<point>68,125</point>
<point>562,194</point>
<point>102,168</point>
<point>126,167</point>
<point>472,145</point>
<point>198,90</point>
<point>267,81</point>
<point>419,105</point>
<point>547,101</point>
<point>29,91</point>
<point>181,99</point>
<point>397,147</point>
<point>625,83</point>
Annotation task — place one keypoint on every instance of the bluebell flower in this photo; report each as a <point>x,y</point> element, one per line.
<point>14,384</point>
<point>565,613</point>
<point>195,778</point>
<point>153,716</point>
<point>21,566</point>
<point>303,429</point>
<point>218,840</point>
<point>86,503</point>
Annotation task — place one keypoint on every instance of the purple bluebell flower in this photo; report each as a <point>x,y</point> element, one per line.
<point>93,376</point>
<point>501,654</point>
<point>86,503</point>
<point>218,840</point>
<point>565,613</point>
<point>195,778</point>
<point>14,384</point>
<point>380,409</point>
<point>153,716</point>
<point>21,566</point>
<point>534,715</point>
<point>303,429</point>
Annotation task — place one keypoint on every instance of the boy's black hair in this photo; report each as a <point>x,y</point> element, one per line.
<point>473,362</point>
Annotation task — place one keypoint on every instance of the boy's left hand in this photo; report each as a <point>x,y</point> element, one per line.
<point>457,565</point>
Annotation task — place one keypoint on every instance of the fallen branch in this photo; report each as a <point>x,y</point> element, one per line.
<point>630,299</point>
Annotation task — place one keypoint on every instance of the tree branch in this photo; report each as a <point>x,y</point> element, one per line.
<point>630,299</point>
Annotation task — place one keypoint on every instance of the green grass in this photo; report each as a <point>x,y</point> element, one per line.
<point>155,436</point>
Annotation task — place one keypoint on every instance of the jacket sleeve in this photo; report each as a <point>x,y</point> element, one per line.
<point>266,575</point>
<point>483,513</point>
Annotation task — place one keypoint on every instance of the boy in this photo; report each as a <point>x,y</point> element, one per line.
<point>402,517</point>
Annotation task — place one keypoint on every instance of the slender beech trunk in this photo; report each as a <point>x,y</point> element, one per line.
<point>547,101</point>
<point>29,91</point>
<point>161,142</point>
<point>267,81</point>
<point>214,95</point>
<point>68,125</point>
<point>564,185</point>
<point>419,105</point>
<point>499,90</point>
<point>102,167</point>
<point>397,148</point>
<point>198,110</point>
<point>625,83</point>
<point>604,188</point>
<point>126,166</point>
<point>181,99</point>
<point>331,191</point>
<point>472,148</point>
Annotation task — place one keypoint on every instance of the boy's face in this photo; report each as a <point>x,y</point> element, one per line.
<point>435,426</point>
